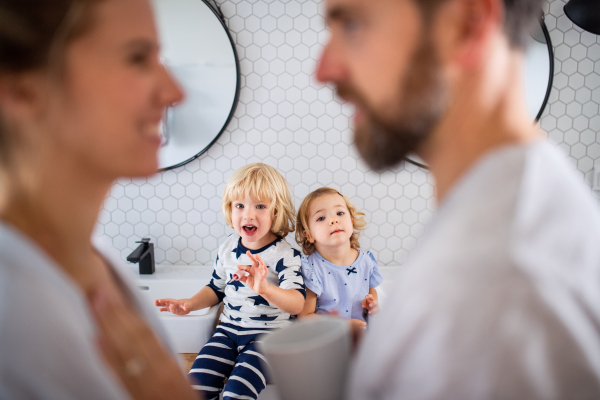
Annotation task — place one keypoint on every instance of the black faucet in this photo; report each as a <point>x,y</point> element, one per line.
<point>144,254</point>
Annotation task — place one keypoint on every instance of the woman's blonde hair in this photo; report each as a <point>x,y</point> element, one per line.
<point>358,220</point>
<point>263,183</point>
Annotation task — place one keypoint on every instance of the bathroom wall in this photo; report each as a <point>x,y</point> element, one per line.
<point>288,120</point>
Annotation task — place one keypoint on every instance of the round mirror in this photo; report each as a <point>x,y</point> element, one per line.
<point>538,73</point>
<point>199,52</point>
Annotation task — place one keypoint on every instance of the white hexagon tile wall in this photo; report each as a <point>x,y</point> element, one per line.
<point>288,120</point>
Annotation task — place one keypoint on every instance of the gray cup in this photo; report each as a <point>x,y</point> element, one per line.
<point>309,359</point>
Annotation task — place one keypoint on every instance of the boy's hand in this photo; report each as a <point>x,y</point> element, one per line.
<point>177,307</point>
<point>257,274</point>
<point>371,304</point>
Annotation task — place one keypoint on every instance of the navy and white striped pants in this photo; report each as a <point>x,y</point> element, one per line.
<point>230,353</point>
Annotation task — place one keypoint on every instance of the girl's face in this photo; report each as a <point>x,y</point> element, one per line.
<point>252,220</point>
<point>329,222</point>
<point>106,110</point>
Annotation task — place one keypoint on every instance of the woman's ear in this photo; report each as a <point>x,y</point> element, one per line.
<point>22,95</point>
<point>308,236</point>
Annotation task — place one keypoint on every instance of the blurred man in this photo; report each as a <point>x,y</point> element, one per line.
<point>501,298</point>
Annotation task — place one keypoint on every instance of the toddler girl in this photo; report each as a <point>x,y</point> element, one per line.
<point>257,204</point>
<point>338,275</point>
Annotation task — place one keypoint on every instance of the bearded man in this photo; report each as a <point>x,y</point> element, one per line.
<point>501,297</point>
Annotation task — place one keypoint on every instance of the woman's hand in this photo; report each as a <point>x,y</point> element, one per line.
<point>371,304</point>
<point>257,274</point>
<point>135,355</point>
<point>177,307</point>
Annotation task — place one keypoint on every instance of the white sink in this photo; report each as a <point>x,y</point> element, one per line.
<point>189,333</point>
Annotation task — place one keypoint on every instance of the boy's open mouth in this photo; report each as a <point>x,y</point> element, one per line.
<point>249,229</point>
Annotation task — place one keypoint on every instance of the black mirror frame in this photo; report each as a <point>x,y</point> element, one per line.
<point>219,14</point>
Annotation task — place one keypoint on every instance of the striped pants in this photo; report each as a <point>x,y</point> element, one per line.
<point>230,353</point>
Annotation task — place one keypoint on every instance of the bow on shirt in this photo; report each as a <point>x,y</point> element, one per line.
<point>351,270</point>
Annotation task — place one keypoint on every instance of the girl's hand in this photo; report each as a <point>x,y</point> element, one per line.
<point>371,304</point>
<point>257,274</point>
<point>177,307</point>
<point>137,358</point>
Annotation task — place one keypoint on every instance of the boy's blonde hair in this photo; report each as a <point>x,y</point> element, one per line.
<point>263,183</point>
<point>358,220</point>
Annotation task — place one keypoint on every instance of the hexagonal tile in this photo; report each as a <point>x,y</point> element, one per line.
<point>300,164</point>
<point>580,123</point>
<point>141,230</point>
<point>333,164</point>
<point>578,52</point>
<point>593,151</point>
<point>565,123</point>
<point>569,66</point>
<point>563,23</point>
<point>562,52</point>
<point>286,119</point>
<point>578,151</point>
<point>571,37</point>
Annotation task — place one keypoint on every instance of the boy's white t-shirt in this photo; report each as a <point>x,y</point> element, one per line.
<point>501,298</point>
<point>242,305</point>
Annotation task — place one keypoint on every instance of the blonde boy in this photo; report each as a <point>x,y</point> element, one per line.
<point>257,204</point>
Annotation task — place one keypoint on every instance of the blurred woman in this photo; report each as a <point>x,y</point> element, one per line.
<point>81,96</point>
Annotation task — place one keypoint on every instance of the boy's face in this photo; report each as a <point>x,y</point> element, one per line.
<point>252,220</point>
<point>329,222</point>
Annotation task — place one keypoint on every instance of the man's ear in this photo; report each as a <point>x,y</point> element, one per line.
<point>463,29</point>
<point>308,236</point>
<point>22,95</point>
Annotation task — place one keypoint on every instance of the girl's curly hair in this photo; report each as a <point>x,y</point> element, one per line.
<point>358,220</point>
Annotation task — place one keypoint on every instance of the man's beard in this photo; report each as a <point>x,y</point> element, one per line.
<point>384,141</point>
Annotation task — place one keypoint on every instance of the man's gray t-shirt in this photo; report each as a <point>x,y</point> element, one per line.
<point>501,298</point>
